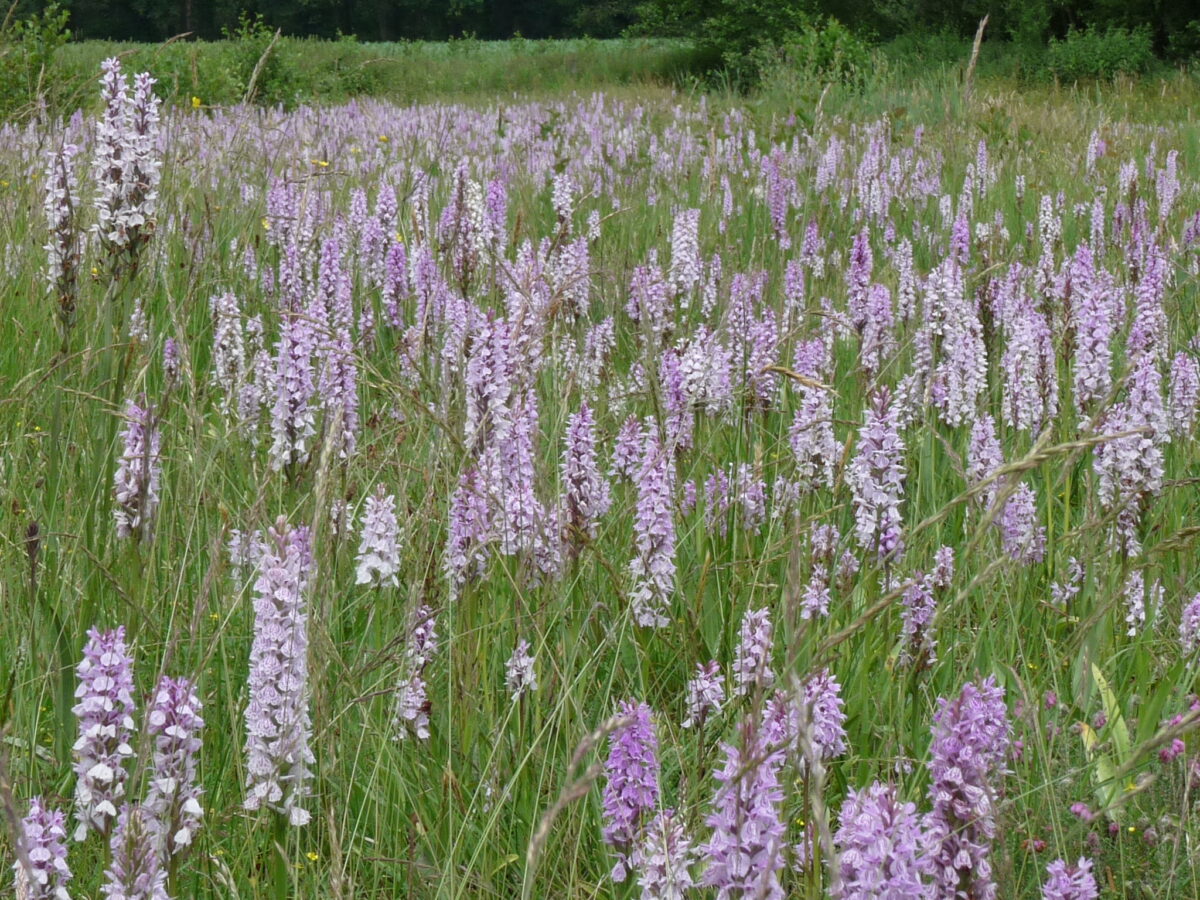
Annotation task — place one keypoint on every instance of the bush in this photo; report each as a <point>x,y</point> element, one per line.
<point>830,53</point>
<point>1184,45</point>
<point>741,37</point>
<point>919,51</point>
<point>278,77</point>
<point>1100,54</point>
<point>27,51</point>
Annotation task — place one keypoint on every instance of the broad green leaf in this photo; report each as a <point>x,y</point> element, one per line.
<point>1117,729</point>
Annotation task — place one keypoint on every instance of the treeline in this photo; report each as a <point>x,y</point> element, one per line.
<point>1172,26</point>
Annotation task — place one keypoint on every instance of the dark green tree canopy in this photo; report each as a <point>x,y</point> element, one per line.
<point>733,26</point>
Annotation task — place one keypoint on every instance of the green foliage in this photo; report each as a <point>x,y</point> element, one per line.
<point>1093,53</point>
<point>742,37</point>
<point>923,50</point>
<point>27,49</point>
<point>217,73</point>
<point>1184,44</point>
<point>253,46</point>
<point>829,52</point>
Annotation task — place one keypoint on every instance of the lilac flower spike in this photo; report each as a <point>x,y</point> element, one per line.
<point>752,658</point>
<point>278,757</point>
<point>917,619</point>
<point>379,550</point>
<point>64,249</point>
<point>631,794</point>
<point>1185,394</point>
<point>879,843</point>
<point>136,482</point>
<point>746,850</point>
<point>173,793</point>
<point>826,716</point>
<point>664,858</point>
<point>970,742</point>
<point>519,674</point>
<point>705,693</point>
<point>126,162</point>
<point>468,533</point>
<point>587,492</point>
<point>136,871</point>
<point>1070,882</point>
<point>1189,626</point>
<point>105,712</point>
<point>627,449</point>
<point>1130,471</point>
<point>984,456</point>
<point>293,420</point>
<point>41,871</point>
<point>1023,539</point>
<point>876,477</point>
<point>412,708</point>
<point>653,567</point>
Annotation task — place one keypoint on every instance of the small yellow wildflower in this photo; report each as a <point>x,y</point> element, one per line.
<point>323,163</point>
<point>312,857</point>
<point>195,103</point>
<point>384,138</point>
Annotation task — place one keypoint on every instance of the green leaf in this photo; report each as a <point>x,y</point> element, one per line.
<point>1118,731</point>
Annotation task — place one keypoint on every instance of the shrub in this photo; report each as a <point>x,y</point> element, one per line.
<point>829,52</point>
<point>278,78</point>
<point>27,51</point>
<point>1100,54</point>
<point>741,37</point>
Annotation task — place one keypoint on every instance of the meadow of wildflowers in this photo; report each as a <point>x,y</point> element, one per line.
<point>594,497</point>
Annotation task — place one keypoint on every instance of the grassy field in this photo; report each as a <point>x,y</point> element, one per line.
<point>309,70</point>
<point>548,266</point>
